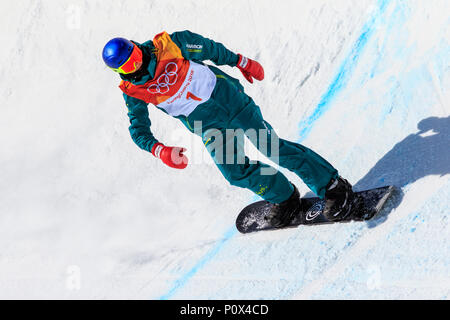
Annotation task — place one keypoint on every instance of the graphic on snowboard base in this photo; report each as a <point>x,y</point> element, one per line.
<point>365,206</point>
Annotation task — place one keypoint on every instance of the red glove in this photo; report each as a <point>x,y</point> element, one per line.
<point>250,68</point>
<point>171,156</point>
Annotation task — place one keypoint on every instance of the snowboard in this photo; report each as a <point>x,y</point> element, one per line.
<point>365,205</point>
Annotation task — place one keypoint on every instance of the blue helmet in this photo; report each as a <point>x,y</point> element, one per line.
<point>117,51</point>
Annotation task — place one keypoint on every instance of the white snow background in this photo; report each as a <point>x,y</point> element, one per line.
<point>85,214</point>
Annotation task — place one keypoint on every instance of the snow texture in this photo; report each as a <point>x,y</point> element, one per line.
<point>85,214</point>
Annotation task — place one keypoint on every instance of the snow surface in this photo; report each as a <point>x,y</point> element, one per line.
<point>86,214</point>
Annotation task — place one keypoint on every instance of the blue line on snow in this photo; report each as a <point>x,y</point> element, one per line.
<point>344,73</point>
<point>338,83</point>
<point>206,258</point>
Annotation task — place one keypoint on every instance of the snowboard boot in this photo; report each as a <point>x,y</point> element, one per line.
<point>281,214</point>
<point>338,199</point>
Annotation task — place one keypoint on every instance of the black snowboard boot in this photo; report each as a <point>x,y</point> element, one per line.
<point>282,213</point>
<point>338,199</point>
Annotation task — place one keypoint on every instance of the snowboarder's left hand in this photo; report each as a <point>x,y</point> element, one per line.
<point>171,156</point>
<point>250,68</point>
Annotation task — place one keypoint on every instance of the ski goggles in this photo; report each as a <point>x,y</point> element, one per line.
<point>133,63</point>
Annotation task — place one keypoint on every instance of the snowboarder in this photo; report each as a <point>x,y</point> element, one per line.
<point>168,72</point>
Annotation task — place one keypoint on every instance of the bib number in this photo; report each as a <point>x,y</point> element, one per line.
<point>192,96</point>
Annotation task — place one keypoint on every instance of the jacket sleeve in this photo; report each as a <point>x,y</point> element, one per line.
<point>139,123</point>
<point>195,47</point>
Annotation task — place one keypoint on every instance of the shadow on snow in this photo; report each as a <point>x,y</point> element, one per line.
<point>420,154</point>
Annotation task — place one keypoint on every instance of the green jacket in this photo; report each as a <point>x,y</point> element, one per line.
<point>193,47</point>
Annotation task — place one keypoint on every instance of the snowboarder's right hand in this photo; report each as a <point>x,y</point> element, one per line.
<point>250,68</point>
<point>171,156</point>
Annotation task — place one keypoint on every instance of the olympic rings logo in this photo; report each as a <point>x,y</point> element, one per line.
<point>164,81</point>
